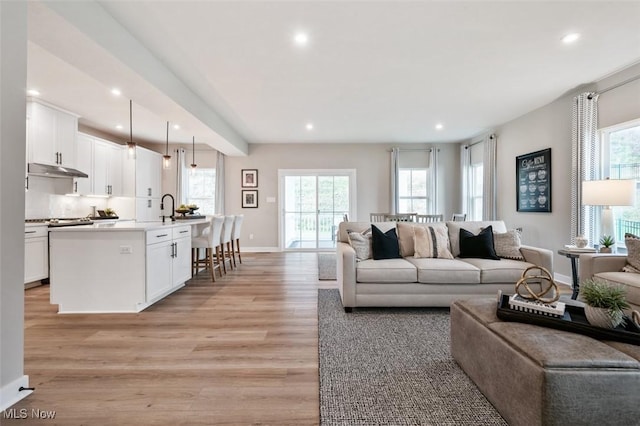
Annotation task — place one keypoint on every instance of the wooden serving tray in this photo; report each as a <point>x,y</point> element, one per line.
<point>574,321</point>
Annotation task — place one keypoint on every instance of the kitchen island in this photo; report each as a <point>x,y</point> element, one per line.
<point>118,267</point>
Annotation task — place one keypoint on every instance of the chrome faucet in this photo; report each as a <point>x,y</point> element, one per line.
<point>173,207</point>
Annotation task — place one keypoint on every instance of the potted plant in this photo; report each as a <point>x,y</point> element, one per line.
<point>605,243</point>
<point>605,303</point>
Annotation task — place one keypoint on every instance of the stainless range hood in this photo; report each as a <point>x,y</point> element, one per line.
<point>37,169</point>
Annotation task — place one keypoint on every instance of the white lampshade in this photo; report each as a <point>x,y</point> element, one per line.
<point>609,192</point>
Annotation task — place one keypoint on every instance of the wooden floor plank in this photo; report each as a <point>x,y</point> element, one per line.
<point>242,350</point>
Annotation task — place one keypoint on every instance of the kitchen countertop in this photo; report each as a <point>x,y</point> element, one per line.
<point>128,226</point>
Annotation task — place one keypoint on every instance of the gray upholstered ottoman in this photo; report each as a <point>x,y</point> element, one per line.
<point>540,376</point>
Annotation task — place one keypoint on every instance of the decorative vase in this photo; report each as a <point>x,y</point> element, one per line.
<point>605,249</point>
<point>600,317</point>
<point>581,241</point>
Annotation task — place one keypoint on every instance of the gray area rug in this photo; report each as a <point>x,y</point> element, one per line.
<point>392,366</point>
<point>326,266</point>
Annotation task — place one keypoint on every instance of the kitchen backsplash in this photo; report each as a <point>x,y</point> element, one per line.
<point>46,198</point>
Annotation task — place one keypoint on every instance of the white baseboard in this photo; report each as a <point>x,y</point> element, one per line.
<point>260,249</point>
<point>10,393</point>
<point>563,279</point>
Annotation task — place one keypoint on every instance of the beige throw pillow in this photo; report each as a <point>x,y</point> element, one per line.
<point>507,244</point>
<point>405,238</point>
<point>633,251</point>
<point>431,241</point>
<point>361,243</point>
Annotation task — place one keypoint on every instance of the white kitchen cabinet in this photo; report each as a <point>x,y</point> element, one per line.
<point>51,135</point>
<point>148,209</point>
<point>107,168</point>
<point>168,260</point>
<point>36,253</point>
<point>84,163</point>
<point>102,161</point>
<point>148,166</point>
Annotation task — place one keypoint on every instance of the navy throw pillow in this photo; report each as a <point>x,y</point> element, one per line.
<point>479,246</point>
<point>384,245</point>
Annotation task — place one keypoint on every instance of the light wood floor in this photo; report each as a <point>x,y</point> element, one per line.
<point>243,350</point>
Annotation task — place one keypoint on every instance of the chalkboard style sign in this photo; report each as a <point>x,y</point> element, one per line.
<point>533,181</point>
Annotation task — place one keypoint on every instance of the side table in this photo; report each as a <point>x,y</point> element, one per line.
<point>574,256</point>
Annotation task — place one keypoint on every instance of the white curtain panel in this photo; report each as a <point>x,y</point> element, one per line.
<point>182,178</point>
<point>465,168</point>
<point>584,161</point>
<point>489,175</point>
<point>219,207</point>
<point>395,177</point>
<point>433,178</point>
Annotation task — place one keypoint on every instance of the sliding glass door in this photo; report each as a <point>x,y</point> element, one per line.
<point>313,203</point>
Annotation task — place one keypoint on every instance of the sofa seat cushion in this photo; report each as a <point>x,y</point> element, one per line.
<point>498,271</point>
<point>451,271</point>
<point>386,271</point>
<point>629,280</point>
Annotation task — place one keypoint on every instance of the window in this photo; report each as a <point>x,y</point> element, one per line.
<point>475,191</point>
<point>412,191</point>
<point>202,190</point>
<point>620,155</point>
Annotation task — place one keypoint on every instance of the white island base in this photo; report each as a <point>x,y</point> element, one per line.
<point>118,268</point>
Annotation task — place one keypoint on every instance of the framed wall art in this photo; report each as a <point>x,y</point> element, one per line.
<point>533,182</point>
<point>249,198</point>
<point>249,178</point>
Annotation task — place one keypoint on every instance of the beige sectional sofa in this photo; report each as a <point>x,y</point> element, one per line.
<point>411,281</point>
<point>608,267</point>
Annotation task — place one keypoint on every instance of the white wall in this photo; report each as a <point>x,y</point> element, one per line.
<point>371,161</point>
<point>550,127</point>
<point>13,72</point>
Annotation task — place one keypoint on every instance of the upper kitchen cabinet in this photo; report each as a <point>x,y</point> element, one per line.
<point>107,168</point>
<point>102,160</point>
<point>51,135</point>
<point>148,173</point>
<point>84,162</point>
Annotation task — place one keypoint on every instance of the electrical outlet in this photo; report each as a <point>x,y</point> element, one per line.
<point>251,236</point>
<point>126,250</point>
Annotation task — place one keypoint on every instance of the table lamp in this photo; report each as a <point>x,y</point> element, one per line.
<point>608,193</point>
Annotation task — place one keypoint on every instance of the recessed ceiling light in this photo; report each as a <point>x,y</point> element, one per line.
<point>570,38</point>
<point>301,39</point>
<point>176,126</point>
<point>309,126</point>
<point>116,92</point>
<point>33,92</point>
<point>119,126</point>
<point>439,126</point>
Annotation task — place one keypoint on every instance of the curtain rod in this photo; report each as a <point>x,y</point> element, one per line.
<point>414,150</point>
<point>615,86</point>
<point>491,136</point>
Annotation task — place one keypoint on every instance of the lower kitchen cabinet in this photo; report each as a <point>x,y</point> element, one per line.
<point>168,260</point>
<point>36,253</point>
<point>121,268</point>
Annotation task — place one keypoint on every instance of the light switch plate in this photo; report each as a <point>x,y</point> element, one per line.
<point>271,199</point>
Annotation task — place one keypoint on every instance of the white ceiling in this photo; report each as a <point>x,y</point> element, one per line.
<point>373,71</point>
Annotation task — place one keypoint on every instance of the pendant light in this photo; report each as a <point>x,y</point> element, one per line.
<point>131,146</point>
<point>193,161</point>
<point>166,158</point>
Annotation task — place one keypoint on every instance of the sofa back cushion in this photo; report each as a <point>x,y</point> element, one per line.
<point>472,226</point>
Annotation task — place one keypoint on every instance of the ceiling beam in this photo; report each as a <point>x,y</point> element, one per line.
<point>97,24</point>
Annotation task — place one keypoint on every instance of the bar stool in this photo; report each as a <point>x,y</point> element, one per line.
<point>235,238</point>
<point>209,240</point>
<point>225,239</point>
